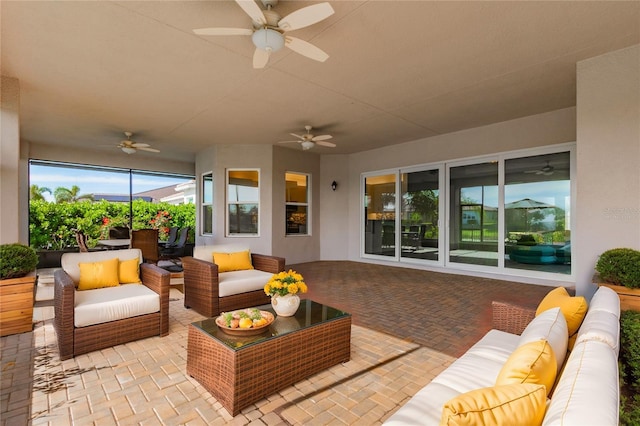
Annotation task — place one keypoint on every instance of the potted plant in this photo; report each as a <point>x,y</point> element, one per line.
<point>619,269</point>
<point>17,287</point>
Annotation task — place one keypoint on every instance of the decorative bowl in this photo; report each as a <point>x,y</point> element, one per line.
<point>222,325</point>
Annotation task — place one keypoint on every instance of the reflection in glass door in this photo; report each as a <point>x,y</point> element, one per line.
<point>379,215</point>
<point>537,205</point>
<point>419,214</point>
<point>473,214</point>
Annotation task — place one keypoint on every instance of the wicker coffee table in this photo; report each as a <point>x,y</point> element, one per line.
<point>239,371</point>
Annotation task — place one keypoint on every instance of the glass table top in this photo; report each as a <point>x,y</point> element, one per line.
<point>309,314</point>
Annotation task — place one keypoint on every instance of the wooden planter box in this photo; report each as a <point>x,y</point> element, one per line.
<point>629,297</point>
<point>16,304</point>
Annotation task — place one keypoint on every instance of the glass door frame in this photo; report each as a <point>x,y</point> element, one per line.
<point>444,212</point>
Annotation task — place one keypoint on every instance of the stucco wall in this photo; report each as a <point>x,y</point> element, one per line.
<point>218,159</point>
<point>534,131</point>
<point>334,220</point>
<point>296,248</point>
<point>608,156</point>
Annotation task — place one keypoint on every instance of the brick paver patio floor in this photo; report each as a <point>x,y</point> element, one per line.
<point>408,326</point>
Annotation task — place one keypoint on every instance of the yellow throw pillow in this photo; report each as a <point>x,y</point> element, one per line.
<point>129,271</point>
<point>518,404</point>
<point>574,308</point>
<point>533,362</point>
<point>98,274</point>
<point>238,261</point>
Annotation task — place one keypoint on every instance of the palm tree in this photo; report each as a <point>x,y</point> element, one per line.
<point>37,193</point>
<point>66,195</point>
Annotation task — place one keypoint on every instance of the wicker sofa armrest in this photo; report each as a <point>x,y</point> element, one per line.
<point>64,304</point>
<point>158,280</point>
<point>511,318</point>
<point>201,286</point>
<point>272,264</point>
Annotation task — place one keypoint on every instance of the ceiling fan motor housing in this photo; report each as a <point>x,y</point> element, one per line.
<point>268,39</point>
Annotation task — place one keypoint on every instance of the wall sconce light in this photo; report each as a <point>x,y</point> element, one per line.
<point>334,185</point>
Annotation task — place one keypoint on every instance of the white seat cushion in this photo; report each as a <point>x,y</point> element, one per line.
<point>603,326</point>
<point>551,326</point>
<point>588,390</point>
<point>477,368</point>
<point>114,303</point>
<point>605,299</point>
<point>236,282</point>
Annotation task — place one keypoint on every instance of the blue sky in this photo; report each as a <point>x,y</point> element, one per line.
<point>95,181</point>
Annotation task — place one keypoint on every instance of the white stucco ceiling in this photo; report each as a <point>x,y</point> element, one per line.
<point>398,70</point>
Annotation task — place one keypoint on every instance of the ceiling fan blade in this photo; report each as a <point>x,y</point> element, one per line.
<point>329,144</point>
<point>148,149</point>
<point>140,145</point>
<point>296,136</point>
<point>321,138</point>
<point>253,10</point>
<point>260,58</point>
<point>223,31</point>
<point>289,142</point>
<point>305,49</point>
<point>306,16</point>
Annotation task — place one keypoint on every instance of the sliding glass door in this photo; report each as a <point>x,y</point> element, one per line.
<point>380,215</point>
<point>508,213</point>
<point>473,214</point>
<point>537,203</point>
<point>420,212</point>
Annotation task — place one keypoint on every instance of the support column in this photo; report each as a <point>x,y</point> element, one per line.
<point>10,200</point>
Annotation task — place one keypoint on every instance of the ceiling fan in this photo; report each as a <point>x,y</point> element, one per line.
<point>546,170</point>
<point>130,147</point>
<point>268,29</point>
<point>308,140</point>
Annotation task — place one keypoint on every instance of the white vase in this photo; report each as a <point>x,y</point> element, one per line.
<point>286,305</point>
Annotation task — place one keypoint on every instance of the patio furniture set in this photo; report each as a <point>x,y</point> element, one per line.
<point>110,297</point>
<point>562,351</point>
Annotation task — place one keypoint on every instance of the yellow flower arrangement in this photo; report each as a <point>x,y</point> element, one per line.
<point>283,283</point>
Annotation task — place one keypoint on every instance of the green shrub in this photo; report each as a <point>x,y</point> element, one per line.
<point>51,225</point>
<point>630,368</point>
<point>16,260</point>
<point>630,345</point>
<point>620,266</point>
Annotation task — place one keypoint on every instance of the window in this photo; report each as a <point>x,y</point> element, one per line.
<point>206,227</point>
<point>103,202</point>
<point>243,201</point>
<point>297,203</point>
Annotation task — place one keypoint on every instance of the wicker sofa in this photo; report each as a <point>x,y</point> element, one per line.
<point>210,292</point>
<point>89,320</point>
<point>585,390</point>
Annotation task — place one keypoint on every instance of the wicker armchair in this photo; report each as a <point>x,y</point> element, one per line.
<point>74,340</point>
<point>201,285</point>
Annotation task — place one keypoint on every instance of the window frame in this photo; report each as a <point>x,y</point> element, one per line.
<point>204,204</point>
<point>229,203</point>
<point>445,221</point>
<point>306,204</point>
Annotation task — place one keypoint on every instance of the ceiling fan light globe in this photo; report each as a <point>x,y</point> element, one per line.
<point>268,39</point>
<point>307,145</point>
<point>129,150</point>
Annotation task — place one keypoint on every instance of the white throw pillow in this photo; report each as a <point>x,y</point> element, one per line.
<point>551,326</point>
